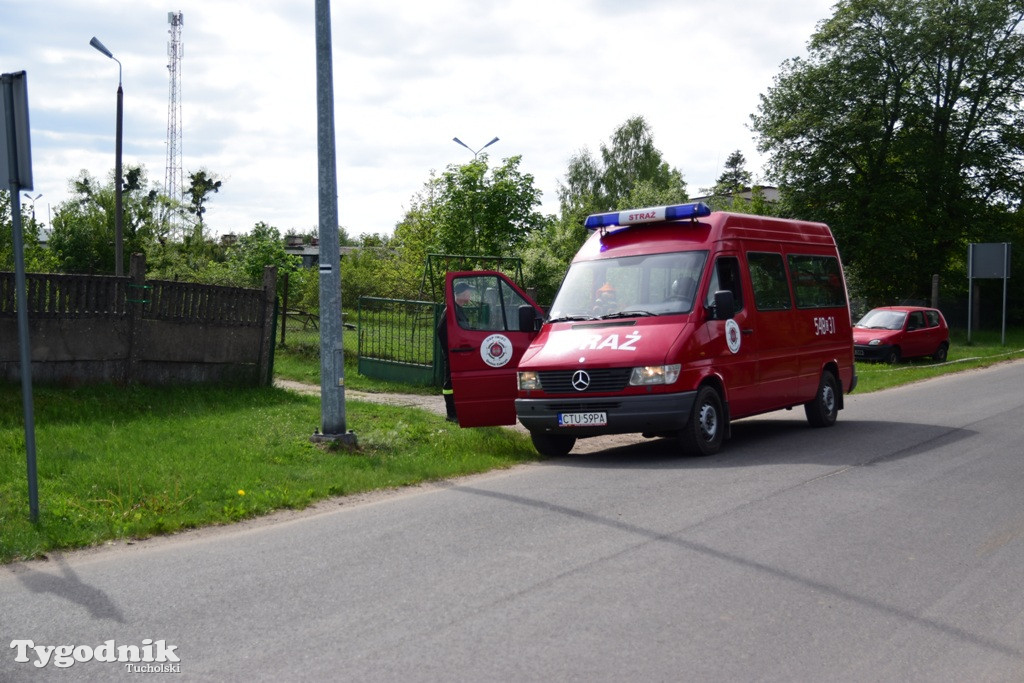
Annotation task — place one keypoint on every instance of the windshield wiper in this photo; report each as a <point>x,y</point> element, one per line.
<point>628,314</point>
<point>568,318</point>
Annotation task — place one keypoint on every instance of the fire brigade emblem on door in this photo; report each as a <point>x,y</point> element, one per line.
<point>732,335</point>
<point>496,350</point>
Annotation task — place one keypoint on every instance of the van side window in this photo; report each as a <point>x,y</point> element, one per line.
<point>817,281</point>
<point>726,275</point>
<point>768,278</point>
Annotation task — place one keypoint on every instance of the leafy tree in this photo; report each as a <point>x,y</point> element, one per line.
<point>37,257</point>
<point>632,158</point>
<point>735,177</point>
<point>202,184</point>
<point>82,237</point>
<point>470,210</point>
<point>630,173</point>
<point>260,247</point>
<point>480,213</point>
<point>903,130</point>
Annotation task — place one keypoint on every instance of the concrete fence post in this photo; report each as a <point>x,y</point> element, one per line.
<point>135,297</point>
<point>267,336</point>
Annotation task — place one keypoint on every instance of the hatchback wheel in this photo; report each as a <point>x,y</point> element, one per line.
<point>941,353</point>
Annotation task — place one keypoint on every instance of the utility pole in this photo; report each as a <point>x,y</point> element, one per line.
<point>332,355</point>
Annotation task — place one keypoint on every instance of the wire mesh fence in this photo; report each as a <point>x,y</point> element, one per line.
<point>397,340</point>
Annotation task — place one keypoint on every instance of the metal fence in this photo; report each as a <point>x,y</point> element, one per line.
<point>397,340</point>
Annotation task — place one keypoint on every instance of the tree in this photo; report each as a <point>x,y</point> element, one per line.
<point>632,159</point>
<point>630,174</point>
<point>735,177</point>
<point>260,247</point>
<point>202,184</point>
<point>485,214</point>
<point>469,209</point>
<point>903,130</point>
<point>82,237</point>
<point>37,257</point>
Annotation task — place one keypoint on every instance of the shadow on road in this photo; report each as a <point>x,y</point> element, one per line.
<point>70,587</point>
<point>776,441</point>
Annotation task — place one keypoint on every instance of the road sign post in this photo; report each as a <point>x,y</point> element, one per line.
<point>16,173</point>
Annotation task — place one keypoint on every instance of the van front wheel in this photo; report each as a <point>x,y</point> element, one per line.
<point>552,445</point>
<point>705,430</point>
<point>823,409</point>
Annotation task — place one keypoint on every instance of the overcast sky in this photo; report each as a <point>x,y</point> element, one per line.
<point>549,77</point>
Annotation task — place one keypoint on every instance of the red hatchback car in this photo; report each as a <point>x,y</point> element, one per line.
<point>890,333</point>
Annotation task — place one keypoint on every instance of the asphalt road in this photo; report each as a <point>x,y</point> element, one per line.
<point>887,548</point>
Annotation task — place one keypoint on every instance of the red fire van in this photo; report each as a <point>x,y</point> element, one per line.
<point>671,321</point>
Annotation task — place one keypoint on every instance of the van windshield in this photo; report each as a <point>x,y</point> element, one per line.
<point>630,286</point>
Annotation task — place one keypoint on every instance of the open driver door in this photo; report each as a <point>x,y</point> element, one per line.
<point>485,345</point>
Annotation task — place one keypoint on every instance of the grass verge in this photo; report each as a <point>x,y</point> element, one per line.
<point>986,348</point>
<point>302,364</point>
<point>132,462</point>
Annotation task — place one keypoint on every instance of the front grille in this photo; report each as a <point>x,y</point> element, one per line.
<point>601,380</point>
<point>581,407</point>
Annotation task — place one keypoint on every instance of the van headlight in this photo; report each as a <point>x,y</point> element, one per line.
<point>655,374</point>
<point>529,381</point>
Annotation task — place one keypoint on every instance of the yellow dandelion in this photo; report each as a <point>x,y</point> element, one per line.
<point>241,492</point>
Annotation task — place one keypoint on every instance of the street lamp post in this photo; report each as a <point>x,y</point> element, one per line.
<point>475,226</point>
<point>118,206</point>
<point>475,152</point>
<point>32,201</point>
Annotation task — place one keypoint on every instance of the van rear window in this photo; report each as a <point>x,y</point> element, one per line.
<point>817,281</point>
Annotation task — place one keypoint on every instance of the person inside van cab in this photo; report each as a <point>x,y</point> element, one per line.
<point>605,302</point>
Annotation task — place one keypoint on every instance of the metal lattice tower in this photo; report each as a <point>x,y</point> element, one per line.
<point>174,179</point>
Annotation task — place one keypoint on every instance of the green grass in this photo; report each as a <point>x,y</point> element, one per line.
<point>303,365</point>
<point>116,462</point>
<point>984,350</point>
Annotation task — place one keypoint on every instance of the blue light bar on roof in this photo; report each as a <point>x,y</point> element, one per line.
<point>649,215</point>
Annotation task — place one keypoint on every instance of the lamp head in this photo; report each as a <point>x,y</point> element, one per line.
<point>95,42</point>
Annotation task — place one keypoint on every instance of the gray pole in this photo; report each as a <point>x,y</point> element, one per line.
<point>332,359</point>
<point>24,350</point>
<point>970,288</point>
<point>118,200</point>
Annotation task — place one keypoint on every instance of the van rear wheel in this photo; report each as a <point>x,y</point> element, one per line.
<point>823,409</point>
<point>552,445</point>
<point>705,430</point>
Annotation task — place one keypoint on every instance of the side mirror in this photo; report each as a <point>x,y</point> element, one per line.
<point>724,307</point>
<point>528,320</point>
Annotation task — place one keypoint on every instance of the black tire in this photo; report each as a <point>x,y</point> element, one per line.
<point>894,356</point>
<point>823,409</point>
<point>705,430</point>
<point>941,353</point>
<point>552,445</point>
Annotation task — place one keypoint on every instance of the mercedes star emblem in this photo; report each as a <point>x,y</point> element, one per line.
<point>580,380</point>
